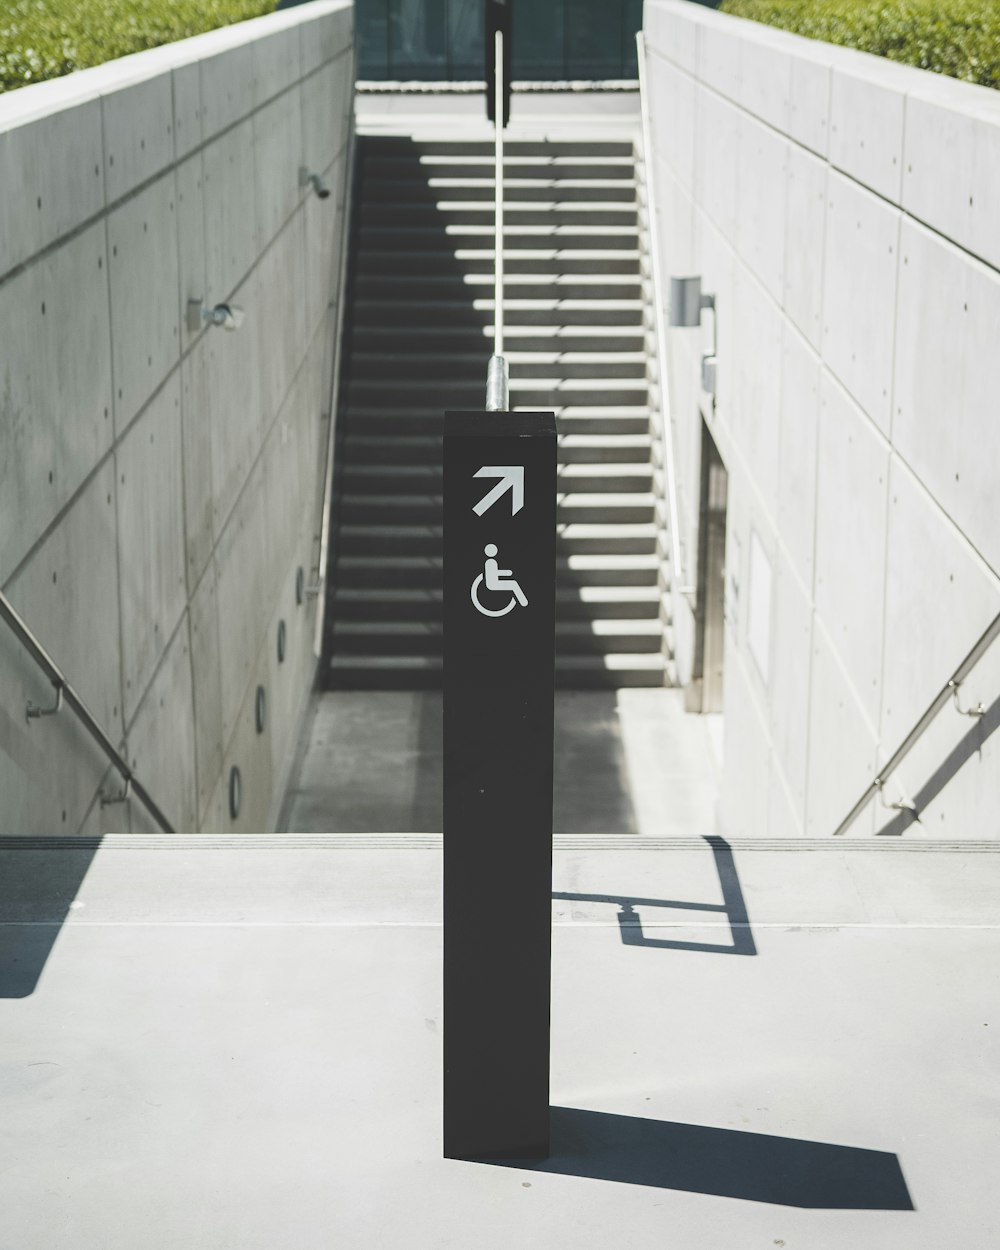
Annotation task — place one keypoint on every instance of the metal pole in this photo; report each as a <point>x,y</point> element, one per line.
<point>497,399</point>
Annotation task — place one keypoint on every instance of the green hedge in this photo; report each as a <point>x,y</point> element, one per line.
<point>956,37</point>
<point>48,38</point>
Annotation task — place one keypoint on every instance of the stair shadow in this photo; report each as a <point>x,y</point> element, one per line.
<point>721,1162</point>
<point>37,887</point>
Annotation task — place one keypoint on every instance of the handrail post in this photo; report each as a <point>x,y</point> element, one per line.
<point>497,393</point>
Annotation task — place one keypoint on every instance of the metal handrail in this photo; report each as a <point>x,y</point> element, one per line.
<point>947,692</point>
<point>666,424</point>
<point>66,693</point>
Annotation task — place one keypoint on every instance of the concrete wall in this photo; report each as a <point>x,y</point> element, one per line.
<point>843,210</point>
<point>159,488</point>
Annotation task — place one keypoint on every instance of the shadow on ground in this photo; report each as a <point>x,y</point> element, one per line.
<point>725,1163</point>
<point>37,888</point>
<point>733,907</point>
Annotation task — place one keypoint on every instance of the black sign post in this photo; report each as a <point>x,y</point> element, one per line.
<point>499,642</point>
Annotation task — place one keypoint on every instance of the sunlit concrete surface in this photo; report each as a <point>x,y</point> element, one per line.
<point>626,761</point>
<point>214,1042</point>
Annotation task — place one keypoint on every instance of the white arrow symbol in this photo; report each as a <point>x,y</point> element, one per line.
<point>511,477</point>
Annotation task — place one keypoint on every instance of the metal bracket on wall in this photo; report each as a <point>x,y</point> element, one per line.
<point>977,711</point>
<point>109,800</point>
<point>32,712</point>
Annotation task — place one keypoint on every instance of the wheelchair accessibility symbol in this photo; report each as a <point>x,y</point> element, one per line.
<point>497,580</point>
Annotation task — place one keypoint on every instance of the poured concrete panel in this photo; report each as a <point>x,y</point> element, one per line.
<point>765,81</point>
<point>68,595</point>
<point>187,109</point>
<point>743,806</point>
<point>951,171</point>
<point>671,34</point>
<point>243,596</point>
<point>783,821</point>
<point>152,583</point>
<point>717,160</point>
<point>55,387</point>
<point>947,380</point>
<point>939,598</point>
<point>760,223</point>
<point>277,63</point>
<point>196,426</point>
<point>796,512</point>
<point>277,131</point>
<point>327,36</point>
<point>226,89</point>
<point>754,408</point>
<point>859,293</point>
<point>145,323</point>
<point>49,767</point>
<point>842,745</point>
<point>234,403</point>
<point>326,101</point>
<point>52,172</point>
<point>250,752</point>
<point>866,126</point>
<point>161,741</point>
<point>719,52</point>
<point>851,491</point>
<point>809,110</point>
<point>192,281</point>
<point>281,308</point>
<point>789,685</point>
<point>206,668</point>
<point>138,133</point>
<point>229,185</point>
<point>805,229</point>
<point>672,94</point>
<point>322,247</point>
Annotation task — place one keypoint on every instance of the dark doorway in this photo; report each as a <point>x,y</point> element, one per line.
<point>704,693</point>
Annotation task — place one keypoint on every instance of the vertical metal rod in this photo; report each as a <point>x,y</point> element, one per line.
<point>498,126</point>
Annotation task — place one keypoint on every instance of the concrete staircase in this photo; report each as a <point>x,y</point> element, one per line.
<point>419,329</point>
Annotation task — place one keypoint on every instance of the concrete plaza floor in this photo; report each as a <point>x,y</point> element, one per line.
<point>218,1043</point>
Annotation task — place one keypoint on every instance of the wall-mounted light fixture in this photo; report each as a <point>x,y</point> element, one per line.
<point>228,316</point>
<point>306,179</point>
<point>687,302</point>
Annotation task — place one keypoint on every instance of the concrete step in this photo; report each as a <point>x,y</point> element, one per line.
<point>411,603</point>
<point>378,449</point>
<point>458,394</point>
<point>402,672</point>
<point>408,235</point>
<point>418,188</point>
<point>548,311</point>
<point>430,288</point>
<point>417,571</point>
<point>400,507</point>
<point>515,261</point>
<point>573,637</point>
<point>523,364</point>
<point>419,479</point>
<point>421,539</point>
<point>471,212</point>
<point>409,420</point>
<point>435,148</point>
<point>469,337</point>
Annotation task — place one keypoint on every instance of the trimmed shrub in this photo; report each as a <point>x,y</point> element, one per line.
<point>960,38</point>
<point>42,39</point>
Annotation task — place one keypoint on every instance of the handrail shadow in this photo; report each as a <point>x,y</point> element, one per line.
<point>970,744</point>
<point>733,908</point>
